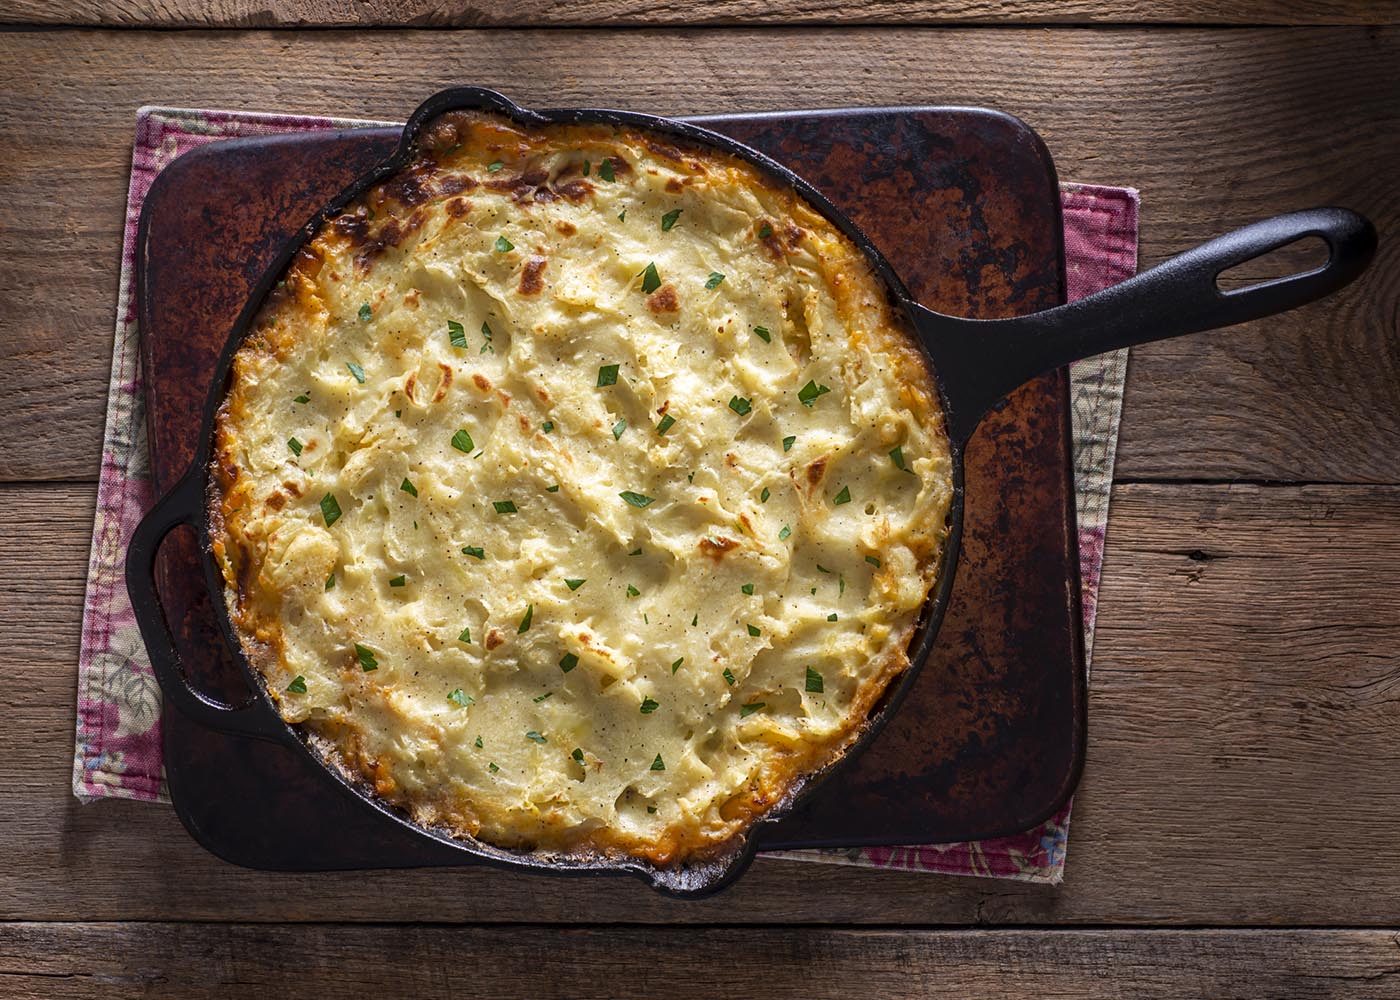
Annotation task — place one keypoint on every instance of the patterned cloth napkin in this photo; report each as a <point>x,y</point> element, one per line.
<point>117,750</point>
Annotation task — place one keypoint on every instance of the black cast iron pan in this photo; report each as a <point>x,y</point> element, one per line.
<point>975,364</point>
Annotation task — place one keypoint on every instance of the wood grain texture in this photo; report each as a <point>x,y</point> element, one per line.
<point>1242,754</point>
<point>220,960</point>
<point>649,13</point>
<point>1218,128</point>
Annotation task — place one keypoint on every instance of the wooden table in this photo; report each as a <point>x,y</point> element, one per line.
<point>1236,832</point>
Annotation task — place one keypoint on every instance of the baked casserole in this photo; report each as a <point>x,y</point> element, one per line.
<point>578,491</point>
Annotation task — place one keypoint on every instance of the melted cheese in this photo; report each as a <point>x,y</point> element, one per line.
<point>452,335</point>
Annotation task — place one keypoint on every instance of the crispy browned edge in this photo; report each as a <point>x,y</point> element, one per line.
<point>383,217</point>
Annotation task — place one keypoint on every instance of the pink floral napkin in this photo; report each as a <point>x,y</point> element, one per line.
<point>117,749</point>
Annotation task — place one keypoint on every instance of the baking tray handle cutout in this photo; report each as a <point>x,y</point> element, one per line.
<point>182,505</point>
<point>981,361</point>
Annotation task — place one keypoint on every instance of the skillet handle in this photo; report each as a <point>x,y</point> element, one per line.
<point>181,506</point>
<point>981,361</point>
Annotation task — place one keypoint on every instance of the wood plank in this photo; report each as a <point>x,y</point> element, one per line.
<point>1242,762</point>
<point>649,13</point>
<point>220,960</point>
<point>1217,128</point>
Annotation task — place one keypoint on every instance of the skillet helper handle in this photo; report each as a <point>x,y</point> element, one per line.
<point>181,506</point>
<point>982,361</point>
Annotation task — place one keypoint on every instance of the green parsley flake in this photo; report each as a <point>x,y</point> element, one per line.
<point>457,697</point>
<point>330,582</point>
<point>669,219</point>
<point>783,535</point>
<point>504,245</point>
<point>633,591</point>
<point>897,457</point>
<point>298,685</point>
<point>747,588</point>
<point>478,743</point>
<point>462,441</point>
<point>357,371</point>
<point>493,166</point>
<point>622,216</point>
<point>526,619</point>
<point>822,569</point>
<point>398,581</point>
<point>651,810</point>
<point>486,332</point>
<point>330,509</point>
<point>765,231</point>
<point>788,442</point>
<point>843,497</point>
<point>666,423</point>
<point>636,499</point>
<point>475,551</point>
<point>365,314</point>
<point>763,497</point>
<point>456,333</point>
<point>636,552</point>
<point>831,617</point>
<point>552,489</point>
<point>577,754</point>
<point>740,405</point>
<point>657,764</point>
<point>535,737</point>
<point>728,676</point>
<point>872,560</point>
<point>618,428</point>
<point>746,710</point>
<point>542,697</point>
<point>504,506</point>
<point>367,660</point>
<point>763,334</point>
<point>649,706</point>
<point>677,664</point>
<point>811,392</point>
<point>840,584</point>
<point>605,170</point>
<point>466,635</point>
<point>715,279</point>
<point>755,631</point>
<point>575,584</point>
<point>567,662</point>
<point>607,375</point>
<point>547,426</point>
<point>651,279</point>
<point>493,768</point>
<point>695,619</point>
<point>303,398</point>
<point>295,445</point>
<point>407,487</point>
<point>587,167</point>
<point>814,682</point>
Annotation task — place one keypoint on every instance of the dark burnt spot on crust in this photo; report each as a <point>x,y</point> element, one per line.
<point>748,525</point>
<point>816,470</point>
<point>675,186</point>
<point>458,207</point>
<point>276,501</point>
<point>731,460</point>
<point>409,385</point>
<point>716,548</point>
<point>661,410</point>
<point>456,184</point>
<point>575,190</point>
<point>494,639</point>
<point>292,488</point>
<point>353,227</point>
<point>532,277</point>
<point>664,300</point>
<point>666,150</point>
<point>390,234</point>
<point>482,382</point>
<point>565,228</point>
<point>769,238</point>
<point>412,187</point>
<point>794,235</point>
<point>445,384</point>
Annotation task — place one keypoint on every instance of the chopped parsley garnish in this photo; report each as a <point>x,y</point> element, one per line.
<point>636,499</point>
<point>843,497</point>
<point>755,631</point>
<point>788,442</point>
<point>367,660</point>
<point>840,584</point>
<point>666,423</point>
<point>365,314</point>
<point>677,664</point>
<point>457,697</point>
<point>740,405</point>
<point>633,591</point>
<point>763,497</point>
<point>763,334</point>
<point>478,743</point>
<point>456,333</point>
<point>567,662</point>
<point>747,588</point>
<point>295,445</point>
<point>897,457</point>
<point>504,506</point>
<point>552,489</point>
<point>587,167</point>
<point>728,676</point>
<point>547,426</point>
<point>466,635</point>
<point>831,617</point>
<point>622,216</point>
<point>474,550</point>
<point>298,685</point>
<point>493,768</point>
<point>330,509</point>
<point>574,584</point>
<point>605,170</point>
<point>651,279</point>
<point>636,552</point>
<point>357,371</point>
<point>822,569</point>
<point>657,764</point>
<point>715,279</point>
<point>695,619</point>
<point>399,581</point>
<point>746,710</point>
<point>407,487</point>
<point>618,428</point>
<point>649,706</point>
<point>782,535</point>
<point>607,375</point>
<point>669,219</point>
<point>330,582</point>
<point>535,737</point>
<point>814,682</point>
<point>486,332</point>
<point>526,619</point>
<point>651,810</point>
<point>577,754</point>
<point>765,231</point>
<point>493,166</point>
<point>462,441</point>
<point>303,398</point>
<point>542,697</point>
<point>811,392</point>
<point>504,245</point>
<point>872,560</point>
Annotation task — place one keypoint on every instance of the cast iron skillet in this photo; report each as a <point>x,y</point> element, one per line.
<point>975,364</point>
